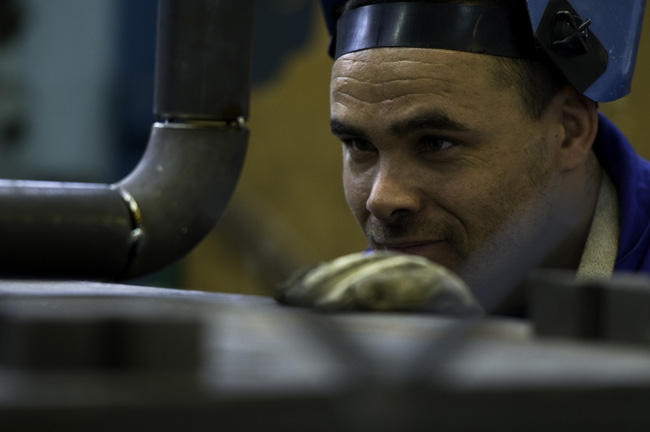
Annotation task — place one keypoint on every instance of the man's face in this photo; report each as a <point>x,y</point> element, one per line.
<point>438,160</point>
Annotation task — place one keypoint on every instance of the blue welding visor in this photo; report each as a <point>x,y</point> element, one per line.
<point>592,43</point>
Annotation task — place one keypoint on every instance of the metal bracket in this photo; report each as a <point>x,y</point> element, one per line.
<point>571,33</point>
<point>571,45</point>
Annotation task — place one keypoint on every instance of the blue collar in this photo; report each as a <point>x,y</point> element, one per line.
<point>630,174</point>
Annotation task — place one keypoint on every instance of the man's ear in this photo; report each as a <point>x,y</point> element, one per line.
<point>579,119</point>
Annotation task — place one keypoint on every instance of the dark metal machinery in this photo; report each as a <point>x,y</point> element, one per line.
<point>94,356</point>
<point>80,356</point>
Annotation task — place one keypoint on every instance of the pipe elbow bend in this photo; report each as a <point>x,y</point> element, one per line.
<point>179,190</point>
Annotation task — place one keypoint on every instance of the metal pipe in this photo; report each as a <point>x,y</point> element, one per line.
<point>177,192</point>
<point>203,59</point>
<point>62,230</point>
<point>180,194</point>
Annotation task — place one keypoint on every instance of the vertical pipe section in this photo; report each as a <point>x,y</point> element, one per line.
<point>195,156</point>
<point>203,59</point>
<point>178,191</point>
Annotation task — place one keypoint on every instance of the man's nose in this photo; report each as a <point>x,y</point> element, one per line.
<point>393,194</point>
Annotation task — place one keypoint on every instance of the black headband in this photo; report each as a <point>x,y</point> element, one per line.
<point>457,27</point>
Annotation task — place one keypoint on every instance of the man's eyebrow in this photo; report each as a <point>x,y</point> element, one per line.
<point>338,127</point>
<point>429,120</point>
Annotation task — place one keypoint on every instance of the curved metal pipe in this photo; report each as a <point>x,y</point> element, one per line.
<point>178,191</point>
<point>180,195</point>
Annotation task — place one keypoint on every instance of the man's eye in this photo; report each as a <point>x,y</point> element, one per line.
<point>435,144</point>
<point>358,145</point>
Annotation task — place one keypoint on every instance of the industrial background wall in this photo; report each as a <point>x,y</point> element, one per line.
<point>288,210</point>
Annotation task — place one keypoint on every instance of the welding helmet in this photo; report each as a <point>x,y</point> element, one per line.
<point>593,43</point>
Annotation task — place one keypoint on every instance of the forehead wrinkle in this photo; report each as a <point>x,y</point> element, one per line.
<point>367,67</point>
<point>382,62</point>
<point>397,81</point>
<point>389,90</point>
<point>410,80</point>
<point>367,70</point>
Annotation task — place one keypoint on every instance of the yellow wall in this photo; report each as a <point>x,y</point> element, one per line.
<point>288,210</point>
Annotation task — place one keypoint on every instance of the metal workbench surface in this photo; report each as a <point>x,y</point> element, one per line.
<point>80,355</point>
